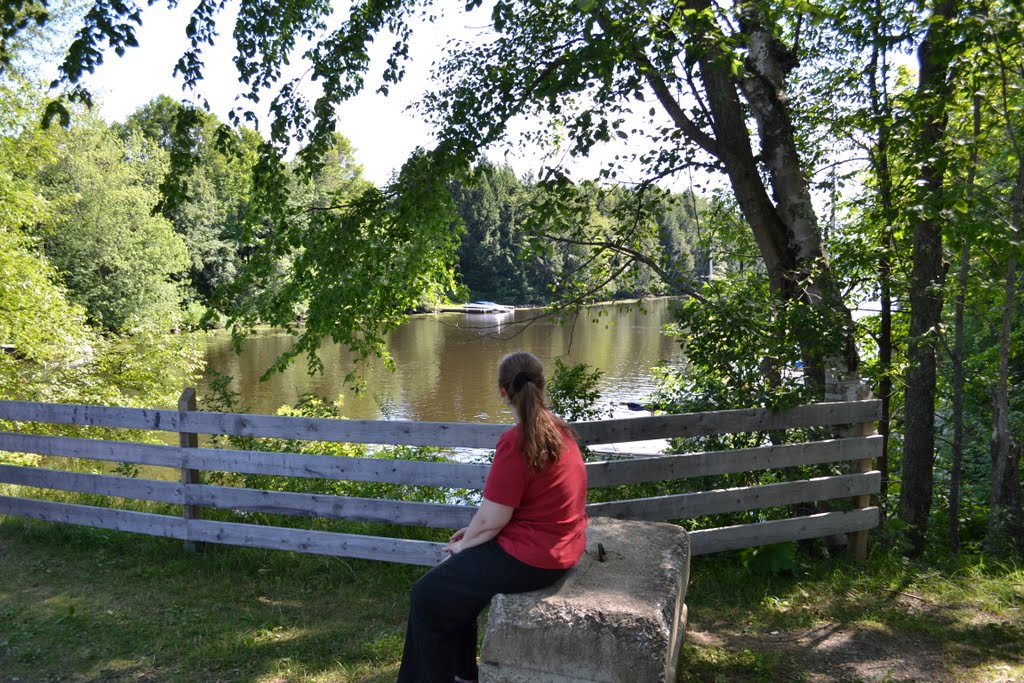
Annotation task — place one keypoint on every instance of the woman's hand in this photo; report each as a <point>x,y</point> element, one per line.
<point>455,542</point>
<point>489,519</point>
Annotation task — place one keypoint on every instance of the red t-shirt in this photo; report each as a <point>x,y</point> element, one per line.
<point>549,523</point>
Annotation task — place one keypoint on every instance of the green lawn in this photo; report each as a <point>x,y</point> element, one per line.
<point>88,605</point>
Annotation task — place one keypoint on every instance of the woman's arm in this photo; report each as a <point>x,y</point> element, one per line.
<point>490,518</point>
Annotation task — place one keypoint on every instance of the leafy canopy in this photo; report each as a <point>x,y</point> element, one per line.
<point>683,83</point>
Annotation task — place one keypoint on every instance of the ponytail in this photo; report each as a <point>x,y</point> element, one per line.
<point>521,375</point>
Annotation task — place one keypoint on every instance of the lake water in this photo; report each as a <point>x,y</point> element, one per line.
<point>445,363</point>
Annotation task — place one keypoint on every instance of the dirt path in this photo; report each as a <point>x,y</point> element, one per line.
<point>836,653</point>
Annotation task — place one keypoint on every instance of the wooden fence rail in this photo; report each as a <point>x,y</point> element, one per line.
<point>21,419</point>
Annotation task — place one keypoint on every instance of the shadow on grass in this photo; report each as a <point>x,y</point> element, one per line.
<point>91,605</point>
<point>834,621</point>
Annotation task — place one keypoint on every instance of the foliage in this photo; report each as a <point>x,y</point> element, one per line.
<point>28,295</point>
<point>573,391</point>
<point>540,242</point>
<point>357,266</point>
<point>742,351</point>
<point>116,258</point>
<point>493,251</point>
<point>615,242</point>
<point>777,558</point>
<point>583,66</point>
<point>52,353</point>
<point>145,368</point>
<point>210,210</point>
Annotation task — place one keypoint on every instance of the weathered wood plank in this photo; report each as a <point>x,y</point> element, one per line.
<point>98,484</point>
<point>434,515</point>
<point>705,541</point>
<point>385,470</point>
<point>689,505</point>
<point>396,550</point>
<point>318,542</point>
<point>457,475</point>
<point>660,468</point>
<point>726,422</point>
<point>103,518</point>
<point>250,535</point>
<point>93,449</point>
<point>857,541</point>
<point>448,434</point>
<point>395,432</point>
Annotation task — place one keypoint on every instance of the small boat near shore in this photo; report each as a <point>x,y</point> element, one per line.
<point>480,308</point>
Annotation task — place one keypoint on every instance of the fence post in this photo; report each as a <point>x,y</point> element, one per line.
<point>847,386</point>
<point>186,403</point>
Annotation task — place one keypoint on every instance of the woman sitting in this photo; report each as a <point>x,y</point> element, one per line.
<point>529,531</point>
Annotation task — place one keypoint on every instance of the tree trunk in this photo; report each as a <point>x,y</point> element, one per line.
<point>882,113</point>
<point>781,216</point>
<point>927,278</point>
<point>1005,518</point>
<point>958,399</point>
<point>786,230</point>
<point>958,347</point>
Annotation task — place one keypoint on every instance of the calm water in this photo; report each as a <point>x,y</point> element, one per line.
<point>446,363</point>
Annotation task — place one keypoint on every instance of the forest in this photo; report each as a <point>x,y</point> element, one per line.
<point>869,154</point>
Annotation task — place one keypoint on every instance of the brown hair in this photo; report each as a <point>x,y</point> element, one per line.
<point>521,375</point>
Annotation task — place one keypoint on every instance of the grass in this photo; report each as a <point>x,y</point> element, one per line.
<point>829,620</point>
<point>89,605</point>
<point>82,605</point>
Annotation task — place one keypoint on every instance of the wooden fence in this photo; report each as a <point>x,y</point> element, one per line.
<point>855,417</point>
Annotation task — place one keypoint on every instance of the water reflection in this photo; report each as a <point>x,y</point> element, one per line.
<point>445,363</point>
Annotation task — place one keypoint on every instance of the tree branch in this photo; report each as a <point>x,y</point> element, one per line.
<point>661,90</point>
<point>635,255</point>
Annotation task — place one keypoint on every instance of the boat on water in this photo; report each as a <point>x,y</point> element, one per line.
<point>480,307</point>
<point>487,307</point>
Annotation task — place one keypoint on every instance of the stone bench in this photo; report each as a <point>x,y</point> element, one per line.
<point>615,617</point>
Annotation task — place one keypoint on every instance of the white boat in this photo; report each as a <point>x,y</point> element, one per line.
<point>487,307</point>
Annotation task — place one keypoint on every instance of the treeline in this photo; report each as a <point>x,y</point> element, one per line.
<point>132,251</point>
<point>104,248</point>
<point>510,251</point>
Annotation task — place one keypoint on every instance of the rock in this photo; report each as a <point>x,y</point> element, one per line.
<point>620,619</point>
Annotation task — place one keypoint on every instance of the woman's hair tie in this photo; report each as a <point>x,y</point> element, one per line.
<point>520,380</point>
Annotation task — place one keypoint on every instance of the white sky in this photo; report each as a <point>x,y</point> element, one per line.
<point>380,128</point>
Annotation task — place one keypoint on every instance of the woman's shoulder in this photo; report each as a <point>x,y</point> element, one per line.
<point>512,434</point>
<point>510,440</point>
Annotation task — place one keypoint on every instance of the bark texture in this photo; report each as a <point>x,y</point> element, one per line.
<point>927,276</point>
<point>1006,520</point>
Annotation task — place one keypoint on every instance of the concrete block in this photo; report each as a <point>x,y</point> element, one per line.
<point>615,618</point>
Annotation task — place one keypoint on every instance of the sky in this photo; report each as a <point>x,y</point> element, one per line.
<point>381,128</point>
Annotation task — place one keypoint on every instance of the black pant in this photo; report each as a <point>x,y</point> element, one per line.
<point>440,640</point>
